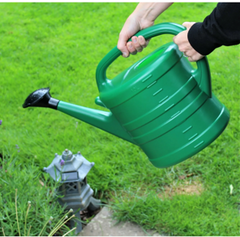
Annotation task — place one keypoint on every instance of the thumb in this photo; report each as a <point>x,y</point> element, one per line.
<point>122,42</point>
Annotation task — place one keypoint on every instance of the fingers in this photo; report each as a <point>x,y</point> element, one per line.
<point>195,58</point>
<point>192,56</point>
<point>181,40</point>
<point>132,47</point>
<point>136,45</point>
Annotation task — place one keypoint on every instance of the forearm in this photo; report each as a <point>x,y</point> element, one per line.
<point>150,10</point>
<point>221,27</point>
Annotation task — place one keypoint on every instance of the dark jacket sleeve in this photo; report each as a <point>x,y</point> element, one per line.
<point>221,27</point>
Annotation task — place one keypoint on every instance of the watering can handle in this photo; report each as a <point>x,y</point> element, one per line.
<point>201,74</point>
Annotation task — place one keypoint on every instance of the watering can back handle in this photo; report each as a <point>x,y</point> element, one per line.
<point>201,74</point>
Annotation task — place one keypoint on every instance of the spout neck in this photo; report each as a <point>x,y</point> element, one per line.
<point>98,118</point>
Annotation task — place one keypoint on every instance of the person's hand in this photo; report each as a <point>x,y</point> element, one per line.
<point>131,27</point>
<point>184,46</point>
<point>142,17</point>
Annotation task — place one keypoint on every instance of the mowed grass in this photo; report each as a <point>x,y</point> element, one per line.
<point>59,45</point>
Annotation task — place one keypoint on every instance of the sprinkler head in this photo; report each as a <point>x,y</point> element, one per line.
<point>41,98</point>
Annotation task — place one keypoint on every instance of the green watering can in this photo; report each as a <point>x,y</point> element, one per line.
<point>160,103</point>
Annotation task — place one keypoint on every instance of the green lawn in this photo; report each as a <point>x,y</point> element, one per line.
<point>59,45</point>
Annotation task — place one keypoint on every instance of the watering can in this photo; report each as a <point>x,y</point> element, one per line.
<point>161,103</point>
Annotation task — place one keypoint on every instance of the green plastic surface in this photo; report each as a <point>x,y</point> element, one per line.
<point>161,103</point>
<point>151,58</point>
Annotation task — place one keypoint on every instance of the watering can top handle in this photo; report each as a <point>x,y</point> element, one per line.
<point>202,74</point>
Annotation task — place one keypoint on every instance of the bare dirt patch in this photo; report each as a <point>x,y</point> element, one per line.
<point>186,188</point>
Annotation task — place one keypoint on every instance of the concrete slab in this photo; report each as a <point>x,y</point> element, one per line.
<point>104,225</point>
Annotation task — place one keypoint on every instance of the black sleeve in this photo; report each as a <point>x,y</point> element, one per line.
<point>221,27</point>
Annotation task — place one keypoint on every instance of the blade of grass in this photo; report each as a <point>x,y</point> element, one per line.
<point>70,231</point>
<point>17,213</point>
<point>45,225</point>
<point>29,230</point>
<point>3,232</point>
<point>60,225</point>
<point>29,205</point>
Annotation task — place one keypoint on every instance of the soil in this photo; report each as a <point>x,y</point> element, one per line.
<point>87,215</point>
<point>187,188</point>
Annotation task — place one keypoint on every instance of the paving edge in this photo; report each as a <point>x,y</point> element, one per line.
<point>104,225</point>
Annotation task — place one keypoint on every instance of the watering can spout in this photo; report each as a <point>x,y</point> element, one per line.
<point>100,119</point>
<point>41,98</point>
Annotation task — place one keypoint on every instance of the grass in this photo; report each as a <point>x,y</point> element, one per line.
<point>59,45</point>
<point>28,204</point>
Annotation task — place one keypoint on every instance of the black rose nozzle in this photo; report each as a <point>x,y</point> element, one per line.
<point>41,98</point>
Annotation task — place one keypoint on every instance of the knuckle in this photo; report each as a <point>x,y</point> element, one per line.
<point>141,40</point>
<point>120,47</point>
<point>175,40</point>
<point>182,49</point>
<point>131,49</point>
<point>136,44</point>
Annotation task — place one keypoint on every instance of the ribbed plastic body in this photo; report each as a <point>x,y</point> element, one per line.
<point>159,102</point>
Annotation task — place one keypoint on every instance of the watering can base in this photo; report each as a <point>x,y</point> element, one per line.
<point>195,146</point>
